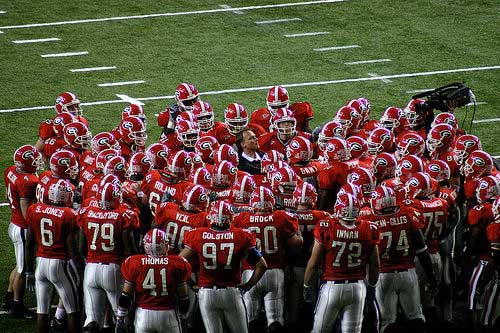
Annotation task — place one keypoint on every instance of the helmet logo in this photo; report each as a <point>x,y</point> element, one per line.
<point>434,167</point>
<point>63,161</point>
<point>294,144</point>
<point>469,143</point>
<point>127,125</point>
<point>406,164</point>
<point>59,99</point>
<point>479,161</point>
<point>71,131</point>
<point>103,141</point>
<point>28,155</point>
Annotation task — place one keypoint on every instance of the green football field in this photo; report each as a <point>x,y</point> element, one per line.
<point>325,52</point>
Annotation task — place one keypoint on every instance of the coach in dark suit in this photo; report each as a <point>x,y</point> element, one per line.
<point>248,152</point>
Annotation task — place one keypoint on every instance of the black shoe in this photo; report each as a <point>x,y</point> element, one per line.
<point>7,305</point>
<point>20,311</point>
<point>58,325</point>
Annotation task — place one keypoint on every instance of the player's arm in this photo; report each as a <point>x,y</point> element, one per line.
<point>186,253</point>
<point>312,264</point>
<point>373,267</point>
<point>295,242</point>
<point>76,258</point>
<point>423,256</point>
<point>24,203</point>
<point>128,243</point>
<point>124,303</point>
<point>254,257</point>
<point>30,250</point>
<point>182,296</point>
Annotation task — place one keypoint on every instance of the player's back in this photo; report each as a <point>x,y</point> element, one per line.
<point>19,185</point>
<point>435,212</point>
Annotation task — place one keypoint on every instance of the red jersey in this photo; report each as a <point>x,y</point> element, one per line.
<point>271,230</point>
<point>175,221</point>
<point>271,141</point>
<point>103,230</point>
<point>303,113</point>
<point>480,217</point>
<point>435,212</point>
<point>155,279</point>
<point>261,117</point>
<point>347,248</point>
<point>51,226</point>
<point>397,249</point>
<point>307,222</point>
<point>219,253</point>
<point>450,194</point>
<point>87,160</point>
<point>19,186</point>
<point>46,130</point>
<point>334,175</point>
<point>53,144</point>
<point>397,186</point>
<point>42,189</point>
<point>88,175</point>
<point>91,188</point>
<point>154,187</point>
<point>221,133</point>
<point>493,233</point>
<point>470,186</point>
<point>257,129</point>
<point>310,170</point>
<point>172,142</point>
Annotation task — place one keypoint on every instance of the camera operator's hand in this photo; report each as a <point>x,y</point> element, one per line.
<point>452,105</point>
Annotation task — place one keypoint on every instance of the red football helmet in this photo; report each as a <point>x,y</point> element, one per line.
<point>358,147</point>
<point>262,200</point>
<point>413,114</point>
<point>438,170</point>
<point>269,167</point>
<point>133,131</point>
<point>362,106</point>
<point>187,132</point>
<point>383,199</point>
<point>103,140</point>
<point>410,143</point>
<point>440,138</point>
<point>336,151</point>
<point>206,146</point>
<point>134,110</point>
<point>28,159</point>
<point>464,145</point>
<point>363,178</point>
<point>110,179</point>
<point>393,119</point>
<point>64,165</point>
<point>77,135</point>
<point>139,165</point>
<point>110,197</point>
<point>305,195</point>
<point>221,213</point>
<point>180,165</point>
<point>299,150</point>
<point>273,156</point>
<point>243,188</point>
<point>284,121</point>
<point>488,189</point>
<point>196,160</point>
<point>60,121</point>
<point>446,118</point>
<point>204,115</point>
<point>332,129</point>
<point>195,199</point>
<point>236,118</point>
<point>156,243</point>
<point>380,140</point>
<point>68,102</point>
<point>186,115</point>
<point>277,98</point>
<point>61,193</point>
<point>351,189</point>
<point>419,185</point>
<point>224,174</point>
<point>201,176</point>
<point>186,95</point>
<point>346,207</point>
<point>496,209</point>
<point>158,154</point>
<point>407,166</point>
<point>284,181</point>
<point>349,118</point>
<point>104,156</point>
<point>384,165</point>
<point>226,152</point>
<point>478,164</point>
<point>116,166</point>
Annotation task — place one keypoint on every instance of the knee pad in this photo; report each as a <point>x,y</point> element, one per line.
<point>275,327</point>
<point>92,327</point>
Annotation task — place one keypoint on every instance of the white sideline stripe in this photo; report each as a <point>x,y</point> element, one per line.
<point>67,54</point>
<point>303,84</point>
<point>91,69</point>
<point>129,99</point>
<point>498,156</point>
<point>4,204</point>
<point>366,61</point>
<point>477,103</point>
<point>279,20</point>
<point>333,48</point>
<point>2,12</point>
<point>124,83</point>
<point>418,91</point>
<point>308,34</point>
<point>376,75</point>
<point>26,41</point>
<point>196,12</point>
<point>239,12</point>
<point>1,32</point>
<point>491,120</point>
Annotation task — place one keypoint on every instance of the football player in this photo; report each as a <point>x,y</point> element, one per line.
<point>186,95</point>
<point>158,282</point>
<point>20,181</point>
<point>348,249</point>
<point>53,231</point>
<point>205,119</point>
<point>275,231</point>
<point>132,136</point>
<point>283,184</point>
<point>220,250</point>
<point>224,176</point>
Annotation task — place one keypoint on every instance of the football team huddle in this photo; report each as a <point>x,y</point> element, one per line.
<point>254,223</point>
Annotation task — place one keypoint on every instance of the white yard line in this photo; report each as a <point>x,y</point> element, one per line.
<point>305,34</point>
<point>67,54</point>
<point>491,120</point>
<point>418,91</point>
<point>129,99</point>
<point>376,75</point>
<point>334,48</point>
<point>42,40</point>
<point>1,32</point>
<point>477,103</point>
<point>290,85</point>
<point>124,83</point>
<point>279,20</point>
<point>239,12</point>
<point>366,61</point>
<point>2,12</point>
<point>195,12</point>
<point>91,69</point>
<point>2,204</point>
